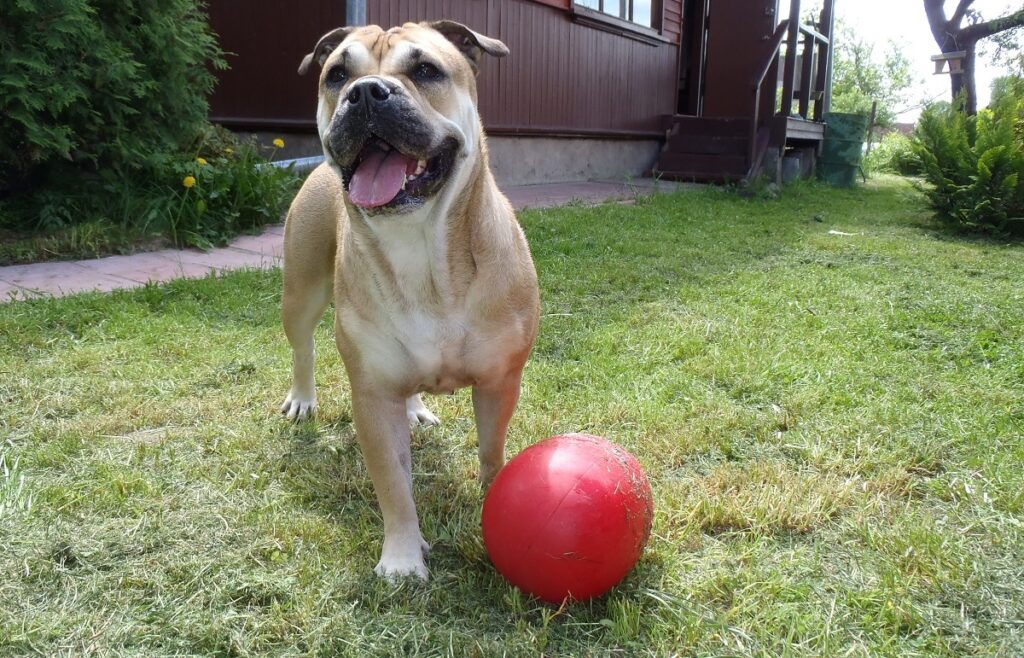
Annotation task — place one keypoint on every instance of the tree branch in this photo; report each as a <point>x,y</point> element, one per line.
<point>978,31</point>
<point>936,13</point>
<point>961,11</point>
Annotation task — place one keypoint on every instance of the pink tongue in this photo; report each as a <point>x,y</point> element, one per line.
<point>378,178</point>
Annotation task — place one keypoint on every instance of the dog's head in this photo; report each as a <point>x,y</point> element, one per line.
<point>397,109</point>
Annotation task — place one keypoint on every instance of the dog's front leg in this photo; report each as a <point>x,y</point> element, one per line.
<point>382,430</point>
<point>493,405</point>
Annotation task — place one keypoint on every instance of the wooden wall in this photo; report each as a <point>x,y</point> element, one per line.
<point>672,19</point>
<point>562,78</point>
<point>265,41</point>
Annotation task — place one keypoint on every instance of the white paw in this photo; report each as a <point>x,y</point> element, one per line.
<point>403,559</point>
<point>418,413</point>
<point>298,407</point>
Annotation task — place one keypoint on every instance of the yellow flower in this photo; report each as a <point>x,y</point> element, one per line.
<point>188,181</point>
<point>229,150</point>
<point>201,161</point>
<point>279,143</point>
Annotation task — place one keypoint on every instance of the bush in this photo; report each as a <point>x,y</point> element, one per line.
<point>894,153</point>
<point>103,113</point>
<point>227,188</point>
<point>974,166</point>
<point>90,85</point>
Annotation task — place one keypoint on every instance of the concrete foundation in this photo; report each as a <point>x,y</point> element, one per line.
<point>535,160</point>
<point>524,160</point>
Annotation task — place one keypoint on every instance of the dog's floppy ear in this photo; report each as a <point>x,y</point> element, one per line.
<point>324,46</point>
<point>471,44</point>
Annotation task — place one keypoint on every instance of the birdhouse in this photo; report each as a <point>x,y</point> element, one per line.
<point>955,59</point>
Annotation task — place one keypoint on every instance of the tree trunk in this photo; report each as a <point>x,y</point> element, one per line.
<point>951,38</point>
<point>964,83</point>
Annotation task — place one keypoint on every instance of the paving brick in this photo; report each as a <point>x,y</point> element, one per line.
<point>227,259</point>
<point>547,196</point>
<point>10,292</point>
<point>62,278</point>
<point>156,266</point>
<point>268,244</point>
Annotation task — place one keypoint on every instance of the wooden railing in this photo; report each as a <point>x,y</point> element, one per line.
<point>753,155</point>
<point>815,74</point>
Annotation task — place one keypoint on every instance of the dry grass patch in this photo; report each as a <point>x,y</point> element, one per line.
<point>764,497</point>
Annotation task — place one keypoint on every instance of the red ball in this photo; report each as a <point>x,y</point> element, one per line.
<point>568,517</point>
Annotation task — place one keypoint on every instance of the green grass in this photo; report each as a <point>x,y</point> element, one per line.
<point>832,425</point>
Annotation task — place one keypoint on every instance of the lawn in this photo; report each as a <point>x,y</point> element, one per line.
<point>827,395</point>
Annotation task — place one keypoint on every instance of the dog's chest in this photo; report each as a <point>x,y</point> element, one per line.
<point>422,335</point>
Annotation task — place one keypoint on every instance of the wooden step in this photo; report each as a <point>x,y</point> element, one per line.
<point>720,127</point>
<point>712,164</point>
<point>707,144</point>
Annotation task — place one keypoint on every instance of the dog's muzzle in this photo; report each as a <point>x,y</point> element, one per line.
<point>390,157</point>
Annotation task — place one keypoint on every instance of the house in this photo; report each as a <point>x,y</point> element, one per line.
<point>707,90</point>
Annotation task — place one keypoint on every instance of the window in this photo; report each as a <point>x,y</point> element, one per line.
<point>634,11</point>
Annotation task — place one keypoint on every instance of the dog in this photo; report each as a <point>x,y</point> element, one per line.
<point>404,228</point>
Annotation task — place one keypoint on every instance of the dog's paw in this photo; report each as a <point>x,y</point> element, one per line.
<point>418,413</point>
<point>401,561</point>
<point>298,407</point>
<point>487,474</point>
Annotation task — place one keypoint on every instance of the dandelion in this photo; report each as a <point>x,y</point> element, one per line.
<point>201,161</point>
<point>188,181</point>
<point>229,150</point>
<point>279,143</point>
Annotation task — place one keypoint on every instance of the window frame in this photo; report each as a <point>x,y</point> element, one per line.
<point>617,25</point>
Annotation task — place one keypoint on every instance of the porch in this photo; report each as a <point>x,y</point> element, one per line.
<point>742,109</point>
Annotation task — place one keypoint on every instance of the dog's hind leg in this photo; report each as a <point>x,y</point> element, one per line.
<point>418,413</point>
<point>493,406</point>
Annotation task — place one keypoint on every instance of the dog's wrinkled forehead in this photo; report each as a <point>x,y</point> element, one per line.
<point>371,49</point>
<point>460,47</point>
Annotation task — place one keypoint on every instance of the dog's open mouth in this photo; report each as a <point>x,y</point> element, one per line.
<point>383,177</point>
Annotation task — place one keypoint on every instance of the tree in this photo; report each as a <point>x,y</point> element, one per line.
<point>859,78</point>
<point>953,36</point>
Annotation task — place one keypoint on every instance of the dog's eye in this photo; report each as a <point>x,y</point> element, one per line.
<point>336,75</point>
<point>427,72</point>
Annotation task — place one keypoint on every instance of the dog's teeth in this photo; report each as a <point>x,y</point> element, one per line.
<point>420,167</point>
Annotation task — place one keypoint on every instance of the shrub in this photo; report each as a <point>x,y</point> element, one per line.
<point>227,188</point>
<point>87,85</point>
<point>974,165</point>
<point>894,153</point>
<point>103,114</point>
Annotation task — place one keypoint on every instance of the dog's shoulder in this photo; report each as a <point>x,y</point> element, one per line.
<point>319,203</point>
<point>321,188</point>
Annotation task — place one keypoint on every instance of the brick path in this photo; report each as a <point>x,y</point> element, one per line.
<point>250,251</point>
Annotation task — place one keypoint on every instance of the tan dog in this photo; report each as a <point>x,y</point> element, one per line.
<point>431,276</point>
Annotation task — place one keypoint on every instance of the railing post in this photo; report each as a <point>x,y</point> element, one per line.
<point>828,17</point>
<point>789,76</point>
<point>807,74</point>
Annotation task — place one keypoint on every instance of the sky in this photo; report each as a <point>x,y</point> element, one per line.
<point>904,22</point>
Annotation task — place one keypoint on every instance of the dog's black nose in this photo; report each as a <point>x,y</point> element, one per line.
<point>369,91</point>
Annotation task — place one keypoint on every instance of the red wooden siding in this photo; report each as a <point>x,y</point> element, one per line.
<point>561,77</point>
<point>672,19</point>
<point>265,42</point>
